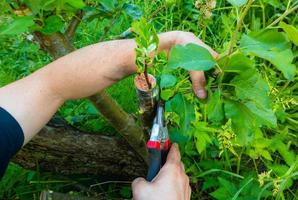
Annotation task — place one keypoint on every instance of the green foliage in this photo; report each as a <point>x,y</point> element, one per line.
<point>272,46</point>
<point>190,57</point>
<point>18,25</point>
<point>147,41</point>
<point>240,143</point>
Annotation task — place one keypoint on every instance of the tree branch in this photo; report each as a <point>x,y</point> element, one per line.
<point>68,151</point>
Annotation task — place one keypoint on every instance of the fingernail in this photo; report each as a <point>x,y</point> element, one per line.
<point>201,94</point>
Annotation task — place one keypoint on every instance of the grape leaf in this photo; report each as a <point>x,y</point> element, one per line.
<point>215,107</point>
<point>167,80</point>
<point>237,3</point>
<point>19,25</point>
<point>291,31</point>
<point>272,46</point>
<point>190,57</point>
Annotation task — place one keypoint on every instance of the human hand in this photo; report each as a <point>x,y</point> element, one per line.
<point>197,77</point>
<point>171,183</point>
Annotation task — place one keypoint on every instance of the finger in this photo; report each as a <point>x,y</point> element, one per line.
<point>139,183</point>
<point>198,83</point>
<point>174,154</point>
<point>182,167</point>
<point>189,193</point>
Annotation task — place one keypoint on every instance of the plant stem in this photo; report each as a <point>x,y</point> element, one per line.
<point>239,26</point>
<point>283,16</point>
<point>146,76</point>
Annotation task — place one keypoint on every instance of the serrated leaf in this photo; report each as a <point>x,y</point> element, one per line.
<point>190,57</point>
<point>167,94</point>
<point>19,25</point>
<point>272,46</point>
<point>167,80</point>
<point>291,31</point>
<point>133,11</point>
<point>237,3</point>
<point>53,24</point>
<point>215,107</point>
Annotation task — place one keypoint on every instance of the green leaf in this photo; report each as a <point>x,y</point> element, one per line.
<point>167,94</point>
<point>253,90</point>
<point>109,5</point>
<point>19,25</point>
<point>237,3</point>
<point>215,107</point>
<point>264,115</point>
<point>53,24</point>
<point>202,140</point>
<point>273,46</point>
<point>167,80</point>
<point>239,63</point>
<point>184,109</point>
<point>291,31</point>
<point>77,4</point>
<point>243,121</point>
<point>190,57</point>
<point>133,11</point>
<point>265,154</point>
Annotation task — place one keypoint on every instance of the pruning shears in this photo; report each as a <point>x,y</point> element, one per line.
<point>159,143</point>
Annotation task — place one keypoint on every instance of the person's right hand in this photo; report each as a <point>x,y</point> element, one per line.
<point>171,183</point>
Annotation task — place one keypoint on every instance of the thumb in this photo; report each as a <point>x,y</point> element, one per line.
<point>139,185</point>
<point>198,83</point>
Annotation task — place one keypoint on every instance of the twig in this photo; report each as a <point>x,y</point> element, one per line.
<point>283,16</point>
<point>108,182</point>
<point>73,25</point>
<point>239,26</point>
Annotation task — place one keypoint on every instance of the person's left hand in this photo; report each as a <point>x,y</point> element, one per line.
<point>197,77</point>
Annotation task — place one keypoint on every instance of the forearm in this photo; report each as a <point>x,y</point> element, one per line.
<point>34,99</point>
<point>95,67</point>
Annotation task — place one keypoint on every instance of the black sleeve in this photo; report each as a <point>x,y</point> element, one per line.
<point>11,139</point>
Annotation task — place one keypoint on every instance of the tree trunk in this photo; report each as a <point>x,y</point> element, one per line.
<point>63,149</point>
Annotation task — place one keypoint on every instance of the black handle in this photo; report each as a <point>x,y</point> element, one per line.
<point>154,163</point>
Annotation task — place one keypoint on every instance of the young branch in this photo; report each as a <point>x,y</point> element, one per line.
<point>289,11</point>
<point>239,26</point>
<point>73,25</point>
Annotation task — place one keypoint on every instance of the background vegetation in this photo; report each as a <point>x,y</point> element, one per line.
<point>243,142</point>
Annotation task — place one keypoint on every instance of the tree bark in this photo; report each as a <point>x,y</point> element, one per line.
<point>58,45</point>
<point>62,149</point>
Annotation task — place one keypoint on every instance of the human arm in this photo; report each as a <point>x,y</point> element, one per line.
<point>171,183</point>
<point>34,99</point>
